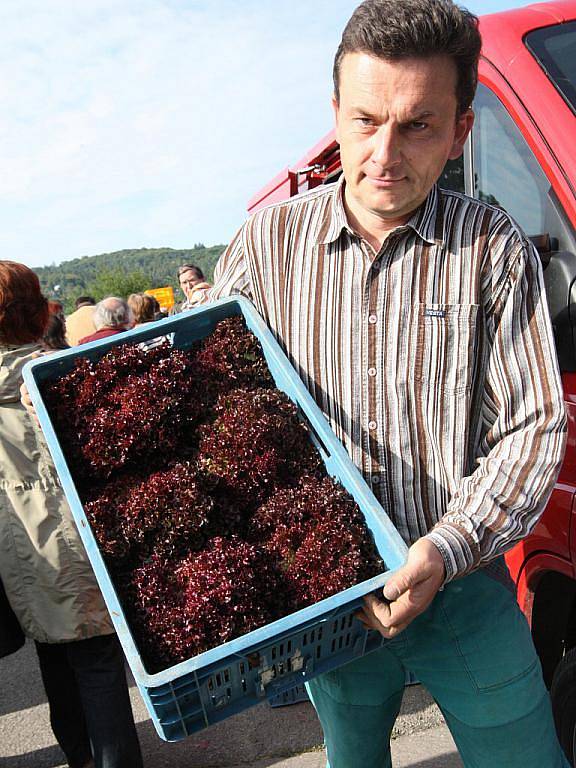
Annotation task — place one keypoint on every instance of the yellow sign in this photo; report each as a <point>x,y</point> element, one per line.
<point>164,297</point>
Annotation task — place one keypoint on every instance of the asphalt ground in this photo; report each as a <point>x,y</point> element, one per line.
<point>261,737</point>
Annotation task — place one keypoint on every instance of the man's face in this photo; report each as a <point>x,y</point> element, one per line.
<point>396,124</point>
<point>187,282</point>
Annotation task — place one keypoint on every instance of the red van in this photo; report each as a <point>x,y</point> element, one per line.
<point>522,156</point>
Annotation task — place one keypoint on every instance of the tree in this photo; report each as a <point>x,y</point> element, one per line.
<point>91,275</point>
<point>117,282</point>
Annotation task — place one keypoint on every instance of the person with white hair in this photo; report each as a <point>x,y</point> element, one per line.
<point>111,315</point>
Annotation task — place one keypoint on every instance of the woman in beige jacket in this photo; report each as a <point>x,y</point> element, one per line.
<point>46,574</point>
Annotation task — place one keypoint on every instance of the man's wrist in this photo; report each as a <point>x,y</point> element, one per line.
<point>454,549</point>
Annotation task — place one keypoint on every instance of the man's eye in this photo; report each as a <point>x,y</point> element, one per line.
<point>363,121</point>
<point>417,125</point>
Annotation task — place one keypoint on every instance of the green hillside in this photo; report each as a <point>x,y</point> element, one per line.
<point>123,272</point>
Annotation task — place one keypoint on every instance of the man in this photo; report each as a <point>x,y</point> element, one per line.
<point>111,315</point>
<point>417,319</point>
<point>193,285</point>
<point>81,322</point>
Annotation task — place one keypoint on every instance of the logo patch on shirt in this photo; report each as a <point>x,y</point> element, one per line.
<point>428,312</point>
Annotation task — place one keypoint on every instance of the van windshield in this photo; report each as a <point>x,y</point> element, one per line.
<point>554,48</point>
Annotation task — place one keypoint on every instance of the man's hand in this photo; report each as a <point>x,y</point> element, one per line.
<point>408,593</point>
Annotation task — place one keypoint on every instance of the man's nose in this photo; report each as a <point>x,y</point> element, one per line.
<point>386,149</point>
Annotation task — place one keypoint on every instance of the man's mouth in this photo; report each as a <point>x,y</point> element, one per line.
<point>385,182</point>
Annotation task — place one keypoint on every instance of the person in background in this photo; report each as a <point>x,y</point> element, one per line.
<point>80,323</point>
<point>54,337</point>
<point>417,318</point>
<point>143,308</point>
<point>56,308</point>
<point>11,636</point>
<point>193,285</point>
<point>159,313</point>
<point>85,301</point>
<point>111,315</point>
<point>47,577</point>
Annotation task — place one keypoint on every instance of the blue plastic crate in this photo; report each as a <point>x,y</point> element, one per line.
<point>271,660</point>
<point>295,695</point>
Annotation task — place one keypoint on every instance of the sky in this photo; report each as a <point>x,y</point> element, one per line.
<point>151,123</point>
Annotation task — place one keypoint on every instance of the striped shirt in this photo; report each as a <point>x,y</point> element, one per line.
<point>433,359</point>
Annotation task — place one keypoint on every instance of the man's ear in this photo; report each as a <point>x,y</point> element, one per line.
<point>336,109</point>
<point>463,127</point>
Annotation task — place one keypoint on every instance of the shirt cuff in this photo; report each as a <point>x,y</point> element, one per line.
<point>454,546</point>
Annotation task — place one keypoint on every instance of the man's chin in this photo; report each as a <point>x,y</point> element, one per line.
<point>392,206</point>
<point>390,210</point>
<point>387,201</point>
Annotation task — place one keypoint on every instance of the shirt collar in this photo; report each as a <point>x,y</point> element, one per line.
<point>427,221</point>
<point>335,220</point>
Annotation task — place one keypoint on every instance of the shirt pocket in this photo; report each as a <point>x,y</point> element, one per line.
<point>446,346</point>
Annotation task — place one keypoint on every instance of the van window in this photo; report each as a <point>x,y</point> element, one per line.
<point>453,175</point>
<point>554,48</point>
<point>506,173</point>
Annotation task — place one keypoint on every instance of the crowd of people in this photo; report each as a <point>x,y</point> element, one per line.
<point>93,320</point>
<point>48,591</point>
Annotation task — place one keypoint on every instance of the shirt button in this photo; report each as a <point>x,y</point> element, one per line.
<point>375,479</point>
<point>372,425</point>
<point>371,371</point>
<point>372,319</point>
<point>376,266</point>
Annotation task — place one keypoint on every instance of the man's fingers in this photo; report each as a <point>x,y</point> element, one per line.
<point>364,619</point>
<point>404,609</point>
<point>377,612</point>
<point>25,395</point>
<point>377,615</point>
<point>377,607</point>
<point>27,402</point>
<point>396,629</point>
<point>399,583</point>
<point>391,618</point>
<point>396,614</point>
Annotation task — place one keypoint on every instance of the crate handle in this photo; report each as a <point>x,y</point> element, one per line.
<point>271,689</point>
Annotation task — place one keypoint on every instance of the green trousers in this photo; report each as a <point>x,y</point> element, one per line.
<point>473,651</point>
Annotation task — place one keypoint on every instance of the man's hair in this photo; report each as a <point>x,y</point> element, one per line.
<point>191,268</point>
<point>401,29</point>
<point>82,301</point>
<point>112,312</point>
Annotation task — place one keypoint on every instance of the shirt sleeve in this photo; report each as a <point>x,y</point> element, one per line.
<point>524,425</point>
<point>231,275</point>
